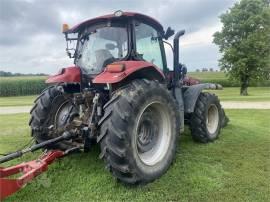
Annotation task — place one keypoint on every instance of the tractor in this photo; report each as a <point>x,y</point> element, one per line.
<point>121,94</point>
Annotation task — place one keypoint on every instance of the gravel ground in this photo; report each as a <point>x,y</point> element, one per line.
<point>225,104</point>
<point>15,110</point>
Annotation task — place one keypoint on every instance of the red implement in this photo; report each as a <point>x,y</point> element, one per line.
<point>29,170</point>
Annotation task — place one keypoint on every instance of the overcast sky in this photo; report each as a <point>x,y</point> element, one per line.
<point>31,40</point>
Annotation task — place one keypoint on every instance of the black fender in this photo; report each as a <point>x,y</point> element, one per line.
<point>192,93</point>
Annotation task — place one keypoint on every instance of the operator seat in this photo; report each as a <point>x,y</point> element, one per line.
<point>103,58</point>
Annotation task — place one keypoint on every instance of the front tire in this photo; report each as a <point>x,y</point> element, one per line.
<point>139,132</point>
<point>206,120</point>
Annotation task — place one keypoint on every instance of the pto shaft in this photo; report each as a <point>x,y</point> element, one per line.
<point>66,135</point>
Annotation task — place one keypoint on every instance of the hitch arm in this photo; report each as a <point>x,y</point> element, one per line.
<point>17,154</point>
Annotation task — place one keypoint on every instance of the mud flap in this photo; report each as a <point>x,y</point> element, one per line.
<point>192,93</point>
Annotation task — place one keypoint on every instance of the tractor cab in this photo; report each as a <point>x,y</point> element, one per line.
<point>118,39</point>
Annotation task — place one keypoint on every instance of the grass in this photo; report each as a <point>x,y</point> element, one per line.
<point>221,78</point>
<point>17,101</point>
<point>236,167</point>
<point>233,94</point>
<point>208,75</point>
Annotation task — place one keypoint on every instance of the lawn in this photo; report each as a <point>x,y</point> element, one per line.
<point>17,101</point>
<point>236,167</point>
<point>233,94</point>
<point>208,75</point>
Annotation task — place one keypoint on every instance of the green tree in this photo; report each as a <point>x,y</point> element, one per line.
<point>244,42</point>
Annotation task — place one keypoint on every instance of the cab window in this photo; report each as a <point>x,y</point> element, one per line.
<point>148,44</point>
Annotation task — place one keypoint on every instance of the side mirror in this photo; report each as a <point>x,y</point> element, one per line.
<point>184,70</point>
<point>110,46</point>
<point>169,32</point>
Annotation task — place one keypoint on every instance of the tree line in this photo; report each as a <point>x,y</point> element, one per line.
<point>10,74</point>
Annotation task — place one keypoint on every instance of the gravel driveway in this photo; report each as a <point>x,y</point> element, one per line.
<point>15,110</point>
<point>245,105</point>
<point>225,104</point>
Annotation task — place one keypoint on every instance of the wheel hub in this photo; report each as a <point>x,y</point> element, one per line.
<point>64,115</point>
<point>147,133</point>
<point>153,133</point>
<point>212,119</point>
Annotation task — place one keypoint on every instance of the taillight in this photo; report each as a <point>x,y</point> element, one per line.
<point>115,68</point>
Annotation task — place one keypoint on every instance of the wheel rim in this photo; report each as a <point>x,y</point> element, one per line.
<point>64,114</point>
<point>153,133</point>
<point>212,119</point>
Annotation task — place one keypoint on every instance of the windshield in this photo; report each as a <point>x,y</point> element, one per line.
<point>101,46</point>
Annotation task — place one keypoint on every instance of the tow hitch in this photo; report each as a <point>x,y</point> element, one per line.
<point>31,169</point>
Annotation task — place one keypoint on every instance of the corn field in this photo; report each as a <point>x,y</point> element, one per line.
<point>33,85</point>
<point>18,86</point>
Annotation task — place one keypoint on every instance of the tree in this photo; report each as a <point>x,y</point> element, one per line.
<point>244,42</point>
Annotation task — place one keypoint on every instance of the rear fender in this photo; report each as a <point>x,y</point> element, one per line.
<point>192,93</point>
<point>140,69</point>
<point>66,75</point>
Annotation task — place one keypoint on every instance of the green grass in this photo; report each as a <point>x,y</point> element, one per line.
<point>236,167</point>
<point>17,101</point>
<point>208,75</point>
<point>233,94</point>
<point>221,78</point>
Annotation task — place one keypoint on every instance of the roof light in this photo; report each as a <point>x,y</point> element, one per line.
<point>118,13</point>
<point>115,68</point>
<point>65,28</point>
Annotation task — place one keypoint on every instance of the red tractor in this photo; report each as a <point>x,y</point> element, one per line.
<point>121,94</point>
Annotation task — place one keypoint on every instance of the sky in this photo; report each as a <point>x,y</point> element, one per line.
<point>31,40</point>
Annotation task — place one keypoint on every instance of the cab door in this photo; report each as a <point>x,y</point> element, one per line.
<point>149,45</point>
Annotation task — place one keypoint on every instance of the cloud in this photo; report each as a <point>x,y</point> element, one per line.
<point>31,39</point>
<point>21,20</point>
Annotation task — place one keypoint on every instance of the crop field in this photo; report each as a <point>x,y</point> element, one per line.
<point>21,85</point>
<point>236,167</point>
<point>32,85</point>
<point>20,78</point>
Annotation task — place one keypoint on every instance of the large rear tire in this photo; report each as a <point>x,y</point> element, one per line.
<point>206,120</point>
<point>139,132</point>
<point>51,108</point>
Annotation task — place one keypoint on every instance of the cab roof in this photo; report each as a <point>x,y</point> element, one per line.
<point>104,18</point>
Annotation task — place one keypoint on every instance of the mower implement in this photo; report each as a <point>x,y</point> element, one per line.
<point>29,171</point>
